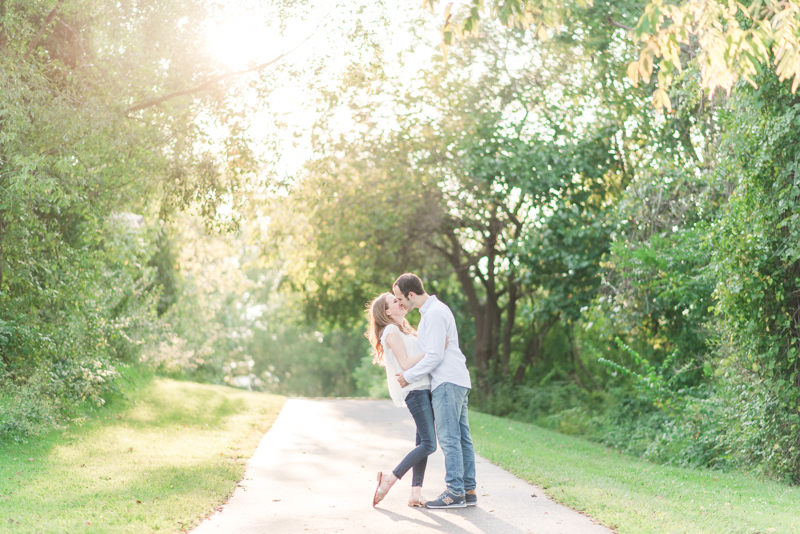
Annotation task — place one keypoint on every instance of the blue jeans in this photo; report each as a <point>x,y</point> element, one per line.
<point>452,426</point>
<point>419,404</point>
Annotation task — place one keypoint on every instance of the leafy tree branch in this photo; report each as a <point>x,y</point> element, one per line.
<point>42,28</point>
<point>216,79</point>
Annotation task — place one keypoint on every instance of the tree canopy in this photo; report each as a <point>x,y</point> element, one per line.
<point>728,41</point>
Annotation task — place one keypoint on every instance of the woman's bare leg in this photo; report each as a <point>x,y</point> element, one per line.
<point>387,481</point>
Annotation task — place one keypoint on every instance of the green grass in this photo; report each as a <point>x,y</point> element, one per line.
<point>158,462</point>
<point>633,496</point>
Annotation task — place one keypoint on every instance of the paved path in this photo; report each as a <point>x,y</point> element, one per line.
<point>314,471</point>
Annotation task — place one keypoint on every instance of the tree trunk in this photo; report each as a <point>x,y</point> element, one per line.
<point>493,320</point>
<point>533,349</point>
<point>483,339</point>
<point>492,311</point>
<point>576,358</point>
<point>482,335</point>
<point>42,28</point>
<point>508,327</point>
<point>488,315</point>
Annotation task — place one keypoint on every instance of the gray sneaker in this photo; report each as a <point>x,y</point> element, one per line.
<point>447,500</point>
<point>472,497</point>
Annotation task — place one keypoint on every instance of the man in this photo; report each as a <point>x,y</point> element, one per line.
<point>450,385</point>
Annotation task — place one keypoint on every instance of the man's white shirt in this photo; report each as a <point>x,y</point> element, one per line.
<point>444,365</point>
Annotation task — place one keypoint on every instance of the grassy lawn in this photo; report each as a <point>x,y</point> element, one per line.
<point>157,462</point>
<point>632,496</point>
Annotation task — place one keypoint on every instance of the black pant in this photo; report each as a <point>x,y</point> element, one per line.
<point>419,404</point>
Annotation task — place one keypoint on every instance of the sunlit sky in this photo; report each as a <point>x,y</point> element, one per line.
<point>247,36</point>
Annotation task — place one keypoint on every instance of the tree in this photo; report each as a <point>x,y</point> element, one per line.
<point>77,296</point>
<point>471,173</point>
<point>727,41</point>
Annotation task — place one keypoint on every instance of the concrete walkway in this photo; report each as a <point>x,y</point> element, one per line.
<point>314,471</point>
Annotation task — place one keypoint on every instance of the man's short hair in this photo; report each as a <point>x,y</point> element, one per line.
<point>409,282</point>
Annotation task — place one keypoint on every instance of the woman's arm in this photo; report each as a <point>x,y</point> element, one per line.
<point>399,349</point>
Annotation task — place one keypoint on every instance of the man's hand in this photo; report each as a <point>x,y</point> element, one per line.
<point>402,380</point>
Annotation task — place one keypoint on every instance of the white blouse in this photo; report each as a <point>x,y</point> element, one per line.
<point>397,393</point>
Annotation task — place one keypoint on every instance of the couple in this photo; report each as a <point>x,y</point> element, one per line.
<point>427,372</point>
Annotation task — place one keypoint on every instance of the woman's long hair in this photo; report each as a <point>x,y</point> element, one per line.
<point>377,321</point>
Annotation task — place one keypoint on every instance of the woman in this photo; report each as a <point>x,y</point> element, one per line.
<point>395,347</point>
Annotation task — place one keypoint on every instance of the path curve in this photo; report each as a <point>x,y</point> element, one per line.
<point>314,471</point>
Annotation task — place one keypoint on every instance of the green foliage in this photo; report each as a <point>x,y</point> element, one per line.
<point>83,279</point>
<point>755,254</point>
<point>349,226</point>
<point>664,293</point>
<point>553,403</point>
<point>371,379</point>
<point>68,322</point>
<point>302,361</point>
<point>652,381</point>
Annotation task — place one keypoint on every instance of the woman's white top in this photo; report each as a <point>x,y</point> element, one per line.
<point>397,393</point>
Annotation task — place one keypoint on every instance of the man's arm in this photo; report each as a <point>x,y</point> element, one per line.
<point>435,335</point>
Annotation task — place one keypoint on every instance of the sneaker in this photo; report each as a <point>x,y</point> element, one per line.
<point>472,498</point>
<point>447,500</point>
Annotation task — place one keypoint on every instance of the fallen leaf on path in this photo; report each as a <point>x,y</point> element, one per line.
<point>533,495</point>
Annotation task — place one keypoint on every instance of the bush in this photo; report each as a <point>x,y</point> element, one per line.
<point>66,325</point>
<point>371,379</point>
<point>28,410</point>
<point>558,405</point>
<point>757,260</point>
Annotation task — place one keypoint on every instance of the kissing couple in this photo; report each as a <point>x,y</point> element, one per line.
<point>427,372</point>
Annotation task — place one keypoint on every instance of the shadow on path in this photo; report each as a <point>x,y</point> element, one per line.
<point>314,471</point>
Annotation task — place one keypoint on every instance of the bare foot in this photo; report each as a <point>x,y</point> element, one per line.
<point>415,499</point>
<point>387,481</point>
